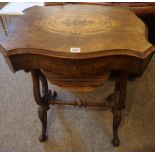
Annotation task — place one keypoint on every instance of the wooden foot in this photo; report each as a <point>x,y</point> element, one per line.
<point>42,138</point>
<point>42,113</point>
<point>117,116</point>
<point>115,142</point>
<point>119,103</point>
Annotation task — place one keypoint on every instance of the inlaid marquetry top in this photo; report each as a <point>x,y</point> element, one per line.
<point>77,24</point>
<point>77,29</point>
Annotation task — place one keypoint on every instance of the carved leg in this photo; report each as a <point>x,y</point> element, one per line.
<point>119,103</point>
<point>41,99</point>
<point>42,113</point>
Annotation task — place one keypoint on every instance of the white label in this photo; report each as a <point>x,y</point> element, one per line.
<point>75,50</point>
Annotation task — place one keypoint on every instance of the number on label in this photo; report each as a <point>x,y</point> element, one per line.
<point>75,50</point>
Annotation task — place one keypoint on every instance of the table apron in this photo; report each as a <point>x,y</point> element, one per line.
<point>78,67</point>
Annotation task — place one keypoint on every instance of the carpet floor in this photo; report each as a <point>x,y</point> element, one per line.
<point>72,128</point>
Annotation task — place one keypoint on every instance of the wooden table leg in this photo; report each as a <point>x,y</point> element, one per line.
<point>42,99</point>
<point>119,104</point>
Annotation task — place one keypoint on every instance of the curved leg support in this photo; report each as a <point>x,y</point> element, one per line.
<point>42,113</point>
<point>41,98</point>
<point>119,103</point>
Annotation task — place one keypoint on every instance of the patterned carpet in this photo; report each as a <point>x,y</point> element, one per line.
<point>72,128</point>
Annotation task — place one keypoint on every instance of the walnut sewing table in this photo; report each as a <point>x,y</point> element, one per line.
<point>77,47</point>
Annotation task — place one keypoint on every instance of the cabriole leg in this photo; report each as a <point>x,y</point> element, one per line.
<point>119,103</point>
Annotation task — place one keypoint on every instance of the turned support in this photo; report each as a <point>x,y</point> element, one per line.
<point>41,98</point>
<point>119,98</point>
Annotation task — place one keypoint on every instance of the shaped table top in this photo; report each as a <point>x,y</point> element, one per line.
<point>77,30</point>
